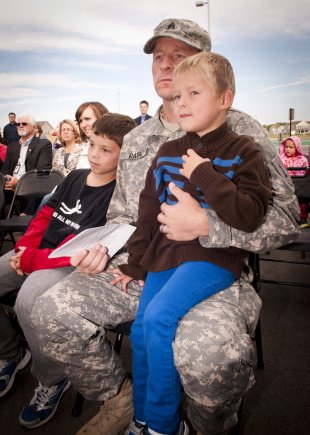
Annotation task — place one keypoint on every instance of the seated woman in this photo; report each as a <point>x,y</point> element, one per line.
<point>290,151</point>
<point>86,114</point>
<point>67,156</point>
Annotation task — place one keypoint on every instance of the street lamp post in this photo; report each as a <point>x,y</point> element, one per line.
<point>291,114</point>
<point>200,4</point>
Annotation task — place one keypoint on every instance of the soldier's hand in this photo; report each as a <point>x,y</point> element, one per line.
<point>185,220</point>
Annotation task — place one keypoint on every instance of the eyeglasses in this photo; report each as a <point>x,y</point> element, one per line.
<point>24,124</point>
<point>64,130</point>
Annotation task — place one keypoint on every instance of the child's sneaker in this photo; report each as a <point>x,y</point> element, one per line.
<point>43,405</point>
<point>9,369</point>
<point>183,430</point>
<point>136,428</point>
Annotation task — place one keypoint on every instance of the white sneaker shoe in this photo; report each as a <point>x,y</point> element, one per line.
<point>136,428</point>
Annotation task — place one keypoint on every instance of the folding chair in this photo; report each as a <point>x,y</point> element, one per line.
<point>33,184</point>
<point>2,181</point>
<point>302,246</point>
<point>2,204</point>
<point>301,182</point>
<point>254,265</point>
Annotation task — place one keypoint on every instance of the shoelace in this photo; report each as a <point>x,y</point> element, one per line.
<point>42,395</point>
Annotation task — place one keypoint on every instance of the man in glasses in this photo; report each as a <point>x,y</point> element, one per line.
<point>25,154</point>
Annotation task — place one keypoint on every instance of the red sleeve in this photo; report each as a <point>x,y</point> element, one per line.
<point>37,259</point>
<point>34,234</point>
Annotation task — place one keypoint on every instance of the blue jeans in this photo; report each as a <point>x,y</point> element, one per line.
<point>166,297</point>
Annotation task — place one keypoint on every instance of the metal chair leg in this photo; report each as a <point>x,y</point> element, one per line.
<point>259,346</point>
<point>78,405</point>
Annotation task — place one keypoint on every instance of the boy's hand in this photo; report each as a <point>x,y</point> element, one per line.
<point>91,262</point>
<point>190,162</point>
<point>15,261</point>
<point>123,279</point>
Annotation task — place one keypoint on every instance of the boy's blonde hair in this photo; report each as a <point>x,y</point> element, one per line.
<point>215,68</point>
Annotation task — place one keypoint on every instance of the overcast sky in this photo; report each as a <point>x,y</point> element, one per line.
<point>57,54</point>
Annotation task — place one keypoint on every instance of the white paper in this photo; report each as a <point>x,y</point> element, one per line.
<point>112,236</point>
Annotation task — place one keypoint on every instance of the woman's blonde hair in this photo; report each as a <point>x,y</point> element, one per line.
<point>74,127</point>
<point>215,68</point>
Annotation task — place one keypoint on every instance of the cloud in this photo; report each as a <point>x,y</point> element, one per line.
<point>285,85</point>
<point>57,55</point>
<point>36,80</point>
<point>90,64</point>
<point>83,26</point>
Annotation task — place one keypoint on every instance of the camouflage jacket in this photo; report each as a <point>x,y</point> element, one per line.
<point>140,147</point>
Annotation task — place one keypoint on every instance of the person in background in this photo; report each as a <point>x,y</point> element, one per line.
<point>144,107</point>
<point>2,140</point>
<point>3,151</point>
<point>67,156</point>
<point>85,115</point>
<point>39,132</point>
<point>80,202</point>
<point>29,152</point>
<point>290,151</point>
<point>10,132</point>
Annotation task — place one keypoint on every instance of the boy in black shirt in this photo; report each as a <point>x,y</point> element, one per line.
<point>80,202</point>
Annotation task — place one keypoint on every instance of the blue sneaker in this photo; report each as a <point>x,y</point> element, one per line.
<point>43,405</point>
<point>9,369</point>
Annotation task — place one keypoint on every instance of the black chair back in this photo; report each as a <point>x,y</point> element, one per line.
<point>36,184</point>
<point>2,181</point>
<point>301,182</point>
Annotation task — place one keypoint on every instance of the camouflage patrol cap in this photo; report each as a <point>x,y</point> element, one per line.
<point>183,30</point>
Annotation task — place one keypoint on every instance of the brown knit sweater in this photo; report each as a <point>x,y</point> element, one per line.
<point>235,184</point>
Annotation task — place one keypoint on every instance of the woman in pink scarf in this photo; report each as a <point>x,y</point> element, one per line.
<point>290,152</point>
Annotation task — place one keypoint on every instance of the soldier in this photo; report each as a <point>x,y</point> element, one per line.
<point>212,351</point>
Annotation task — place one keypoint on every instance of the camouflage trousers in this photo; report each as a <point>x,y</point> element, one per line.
<point>70,320</point>
<point>213,351</point>
<point>214,356</point>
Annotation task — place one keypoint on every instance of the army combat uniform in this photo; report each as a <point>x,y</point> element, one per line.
<point>212,350</point>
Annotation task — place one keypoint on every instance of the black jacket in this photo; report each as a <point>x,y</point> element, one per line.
<point>39,156</point>
<point>10,133</point>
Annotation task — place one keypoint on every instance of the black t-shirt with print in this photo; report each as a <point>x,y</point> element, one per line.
<point>76,207</point>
